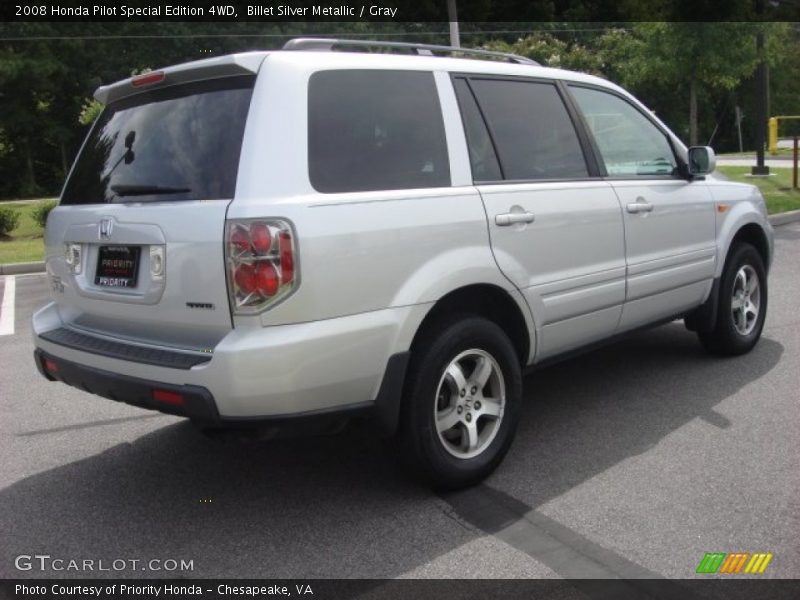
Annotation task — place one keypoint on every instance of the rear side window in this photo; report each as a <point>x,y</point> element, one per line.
<point>177,143</point>
<point>375,130</point>
<point>532,131</point>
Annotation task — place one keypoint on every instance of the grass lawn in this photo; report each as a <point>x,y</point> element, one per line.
<point>776,188</point>
<point>25,243</point>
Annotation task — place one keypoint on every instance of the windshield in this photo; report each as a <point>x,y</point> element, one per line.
<point>177,143</point>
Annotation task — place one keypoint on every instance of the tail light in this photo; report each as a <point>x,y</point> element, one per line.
<point>261,257</point>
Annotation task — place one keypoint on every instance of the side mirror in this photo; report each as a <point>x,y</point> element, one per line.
<point>702,160</point>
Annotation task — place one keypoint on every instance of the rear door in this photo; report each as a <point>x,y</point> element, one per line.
<point>135,247</point>
<point>555,226</point>
<point>669,220</point>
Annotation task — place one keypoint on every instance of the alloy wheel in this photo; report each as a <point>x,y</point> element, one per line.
<point>470,401</point>
<point>746,300</point>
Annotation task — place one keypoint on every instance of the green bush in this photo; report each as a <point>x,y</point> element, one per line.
<point>90,110</point>
<point>9,219</point>
<point>39,214</point>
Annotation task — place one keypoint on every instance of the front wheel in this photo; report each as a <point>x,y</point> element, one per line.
<point>461,405</point>
<point>742,304</point>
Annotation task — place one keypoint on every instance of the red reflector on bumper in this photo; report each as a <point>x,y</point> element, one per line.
<point>168,397</point>
<point>50,365</point>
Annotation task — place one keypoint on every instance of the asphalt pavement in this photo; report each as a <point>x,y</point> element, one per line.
<point>631,461</point>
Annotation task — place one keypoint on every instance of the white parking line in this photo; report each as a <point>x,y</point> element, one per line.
<point>7,308</point>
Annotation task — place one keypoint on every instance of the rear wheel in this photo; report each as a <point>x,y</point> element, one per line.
<point>461,403</point>
<point>742,304</point>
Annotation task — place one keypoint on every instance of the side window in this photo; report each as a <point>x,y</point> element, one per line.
<point>532,131</point>
<point>375,130</point>
<point>630,144</point>
<point>482,156</point>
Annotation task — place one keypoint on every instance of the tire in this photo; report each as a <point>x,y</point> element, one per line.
<point>742,304</point>
<point>457,355</point>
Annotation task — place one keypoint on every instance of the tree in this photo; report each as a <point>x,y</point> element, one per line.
<point>785,73</point>
<point>29,81</point>
<point>552,51</point>
<point>690,57</point>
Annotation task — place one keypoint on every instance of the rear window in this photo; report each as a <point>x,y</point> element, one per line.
<point>375,130</point>
<point>177,143</point>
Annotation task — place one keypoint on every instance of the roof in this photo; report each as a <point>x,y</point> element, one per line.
<point>250,62</point>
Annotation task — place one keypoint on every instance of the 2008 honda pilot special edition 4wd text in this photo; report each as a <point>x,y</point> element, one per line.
<point>273,239</point>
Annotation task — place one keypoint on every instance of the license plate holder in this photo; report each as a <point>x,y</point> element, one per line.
<point>117,266</point>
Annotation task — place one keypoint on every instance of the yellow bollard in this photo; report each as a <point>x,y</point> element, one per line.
<point>772,127</point>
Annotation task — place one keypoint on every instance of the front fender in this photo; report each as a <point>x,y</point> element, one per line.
<point>746,206</point>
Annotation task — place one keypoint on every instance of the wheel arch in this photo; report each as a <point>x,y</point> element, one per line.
<point>704,317</point>
<point>753,234</point>
<point>491,302</point>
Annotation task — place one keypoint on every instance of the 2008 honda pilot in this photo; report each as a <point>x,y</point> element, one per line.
<point>310,234</point>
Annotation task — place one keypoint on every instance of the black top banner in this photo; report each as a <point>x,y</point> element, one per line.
<point>398,10</point>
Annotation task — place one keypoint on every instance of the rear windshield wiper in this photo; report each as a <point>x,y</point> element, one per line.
<point>146,190</point>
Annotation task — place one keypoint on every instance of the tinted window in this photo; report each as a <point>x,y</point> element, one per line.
<point>630,144</point>
<point>482,156</point>
<point>533,134</point>
<point>375,130</point>
<point>178,143</point>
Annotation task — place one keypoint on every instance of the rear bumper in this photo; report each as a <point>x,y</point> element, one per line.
<point>349,365</point>
<point>197,403</point>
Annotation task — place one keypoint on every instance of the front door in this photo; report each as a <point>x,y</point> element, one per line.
<point>670,237</point>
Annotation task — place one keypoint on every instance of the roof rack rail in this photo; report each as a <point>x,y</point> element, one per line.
<point>330,44</point>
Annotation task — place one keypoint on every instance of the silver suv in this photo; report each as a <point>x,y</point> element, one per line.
<point>274,240</point>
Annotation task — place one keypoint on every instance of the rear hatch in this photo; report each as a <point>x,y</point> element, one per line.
<point>135,247</point>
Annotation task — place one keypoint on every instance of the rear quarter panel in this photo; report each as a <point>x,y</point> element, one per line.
<point>360,251</point>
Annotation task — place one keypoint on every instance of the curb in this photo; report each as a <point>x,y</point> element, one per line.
<point>38,267</point>
<point>785,217</point>
<point>21,268</point>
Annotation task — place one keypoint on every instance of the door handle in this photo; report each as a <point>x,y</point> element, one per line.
<point>640,206</point>
<point>512,218</point>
